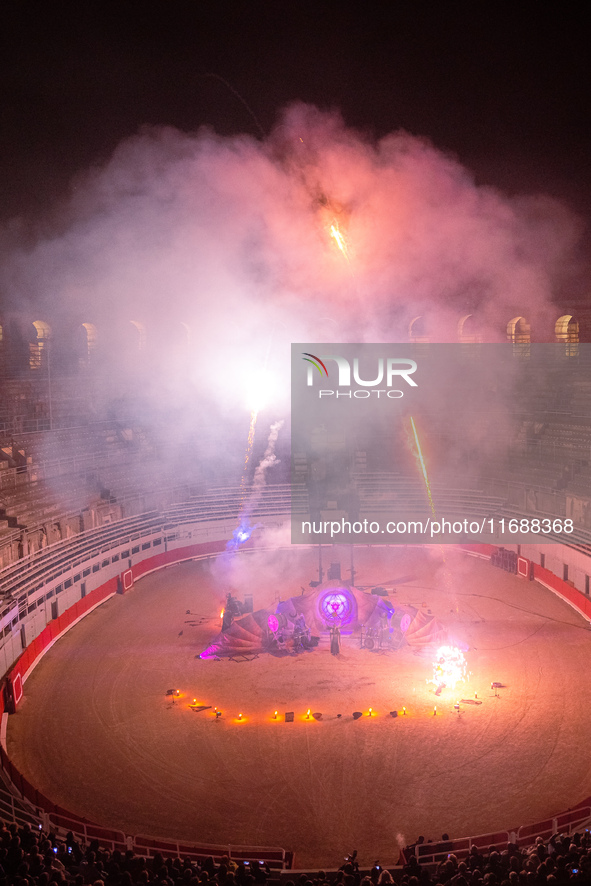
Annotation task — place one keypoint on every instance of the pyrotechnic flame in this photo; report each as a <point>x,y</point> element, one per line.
<point>249,444</point>
<point>449,667</point>
<point>421,461</point>
<point>245,529</point>
<point>259,386</point>
<point>339,240</point>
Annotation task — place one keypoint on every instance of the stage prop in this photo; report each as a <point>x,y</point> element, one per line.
<point>296,624</point>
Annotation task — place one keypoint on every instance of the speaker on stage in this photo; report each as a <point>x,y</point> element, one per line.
<point>289,716</point>
<point>357,714</point>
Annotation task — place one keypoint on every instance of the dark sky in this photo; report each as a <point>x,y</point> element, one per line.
<point>504,87</point>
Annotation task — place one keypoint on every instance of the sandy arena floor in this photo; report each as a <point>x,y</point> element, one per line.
<point>98,735</point>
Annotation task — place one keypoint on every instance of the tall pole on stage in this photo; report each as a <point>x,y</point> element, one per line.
<point>319,564</point>
<point>352,567</point>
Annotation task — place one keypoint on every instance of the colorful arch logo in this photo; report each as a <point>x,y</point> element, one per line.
<point>316,362</point>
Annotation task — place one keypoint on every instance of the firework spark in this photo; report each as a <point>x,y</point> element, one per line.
<point>249,445</point>
<point>339,239</point>
<point>449,668</point>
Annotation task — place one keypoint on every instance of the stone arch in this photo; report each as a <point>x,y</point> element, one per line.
<point>91,338</point>
<point>186,333</point>
<point>39,344</point>
<point>566,331</point>
<point>519,334</point>
<point>468,332</point>
<point>84,343</point>
<point>137,338</point>
<point>417,329</point>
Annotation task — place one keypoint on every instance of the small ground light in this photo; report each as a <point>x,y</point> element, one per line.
<point>240,716</point>
<point>275,715</point>
<point>308,714</point>
<point>435,711</point>
<point>475,695</point>
<point>404,712</point>
<point>457,707</point>
<point>178,691</point>
<point>370,711</point>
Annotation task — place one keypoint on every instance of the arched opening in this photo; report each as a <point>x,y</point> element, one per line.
<point>519,334</point>
<point>91,337</point>
<point>138,338</point>
<point>83,344</point>
<point>417,330</point>
<point>38,346</point>
<point>468,330</point>
<point>186,334</point>
<point>566,331</point>
<point>519,331</point>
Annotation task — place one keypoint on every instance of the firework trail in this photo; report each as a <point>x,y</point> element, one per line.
<point>447,578</point>
<point>248,453</point>
<point>244,529</point>
<point>339,240</point>
<point>421,461</point>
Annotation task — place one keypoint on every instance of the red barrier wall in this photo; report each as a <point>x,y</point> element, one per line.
<point>166,558</point>
<point>485,550</point>
<point>54,629</point>
<point>35,649</point>
<point>577,598</point>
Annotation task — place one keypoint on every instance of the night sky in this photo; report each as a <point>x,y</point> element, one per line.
<point>503,87</point>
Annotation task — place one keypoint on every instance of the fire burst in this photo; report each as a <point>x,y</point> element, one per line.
<point>339,240</point>
<point>423,467</point>
<point>449,668</point>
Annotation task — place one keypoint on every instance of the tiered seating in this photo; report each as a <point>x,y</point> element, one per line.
<point>572,439</point>
<point>530,471</point>
<point>580,485</point>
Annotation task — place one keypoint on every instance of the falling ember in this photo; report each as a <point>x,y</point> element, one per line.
<point>423,467</point>
<point>449,668</point>
<point>339,240</point>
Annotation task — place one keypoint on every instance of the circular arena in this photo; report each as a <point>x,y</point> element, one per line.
<point>97,732</point>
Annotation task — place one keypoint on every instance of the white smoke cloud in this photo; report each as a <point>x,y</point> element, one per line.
<point>222,249</point>
<point>232,236</point>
